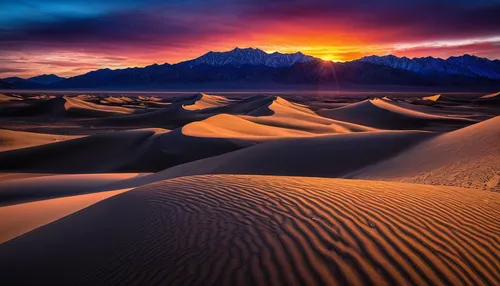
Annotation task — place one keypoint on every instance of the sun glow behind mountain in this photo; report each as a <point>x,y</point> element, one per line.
<point>73,38</point>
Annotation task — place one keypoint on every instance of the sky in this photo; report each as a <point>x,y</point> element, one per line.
<point>73,37</point>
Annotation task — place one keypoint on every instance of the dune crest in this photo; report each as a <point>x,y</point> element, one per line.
<point>16,220</point>
<point>493,95</point>
<point>11,140</point>
<point>432,97</point>
<point>204,101</point>
<point>383,114</point>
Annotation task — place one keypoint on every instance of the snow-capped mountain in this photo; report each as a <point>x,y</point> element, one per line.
<point>249,56</point>
<point>467,65</point>
<point>46,79</point>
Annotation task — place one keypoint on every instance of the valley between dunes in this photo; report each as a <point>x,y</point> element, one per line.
<point>250,189</point>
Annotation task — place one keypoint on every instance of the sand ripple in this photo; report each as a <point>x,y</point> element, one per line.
<point>262,230</point>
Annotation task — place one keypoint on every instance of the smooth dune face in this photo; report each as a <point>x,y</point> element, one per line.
<point>383,114</point>
<point>16,220</point>
<point>492,95</point>
<point>78,106</point>
<point>4,98</point>
<point>11,140</point>
<point>230,126</point>
<point>260,230</point>
<point>432,97</point>
<point>321,156</point>
<point>41,187</point>
<point>469,157</point>
<point>205,101</point>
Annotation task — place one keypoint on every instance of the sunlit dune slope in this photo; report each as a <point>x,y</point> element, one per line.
<point>469,157</point>
<point>10,140</point>
<point>204,101</point>
<point>16,220</point>
<point>383,114</point>
<point>66,106</point>
<point>321,156</point>
<point>142,150</point>
<point>22,190</point>
<point>259,230</point>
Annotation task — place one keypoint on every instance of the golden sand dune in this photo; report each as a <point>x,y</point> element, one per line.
<point>432,97</point>
<point>19,219</point>
<point>149,98</point>
<point>232,126</point>
<point>84,108</point>
<point>493,95</point>
<point>469,157</point>
<point>22,190</point>
<point>4,97</point>
<point>490,99</point>
<point>63,106</point>
<point>116,100</point>
<point>260,230</point>
<point>142,150</point>
<point>284,114</point>
<point>204,101</point>
<point>379,113</point>
<point>320,156</point>
<point>10,140</point>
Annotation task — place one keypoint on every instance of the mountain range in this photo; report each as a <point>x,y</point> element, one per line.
<point>253,66</point>
<point>34,82</point>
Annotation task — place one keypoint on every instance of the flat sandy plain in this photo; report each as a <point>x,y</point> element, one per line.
<point>249,189</point>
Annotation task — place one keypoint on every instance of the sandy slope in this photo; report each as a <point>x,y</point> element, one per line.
<point>432,97</point>
<point>204,101</point>
<point>258,230</point>
<point>141,150</point>
<point>19,219</point>
<point>380,113</point>
<point>469,157</point>
<point>59,107</point>
<point>4,98</point>
<point>35,188</point>
<point>231,126</point>
<point>493,95</point>
<point>320,156</point>
<point>10,140</point>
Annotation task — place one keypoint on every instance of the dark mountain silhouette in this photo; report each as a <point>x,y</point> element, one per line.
<point>253,66</point>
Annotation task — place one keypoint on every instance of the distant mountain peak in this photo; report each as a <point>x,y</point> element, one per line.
<point>45,79</point>
<point>467,65</point>
<point>249,56</point>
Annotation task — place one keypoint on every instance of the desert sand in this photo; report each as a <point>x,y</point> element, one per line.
<point>249,189</point>
<point>257,230</point>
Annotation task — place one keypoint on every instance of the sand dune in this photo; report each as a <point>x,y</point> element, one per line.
<point>22,190</point>
<point>493,95</point>
<point>284,114</point>
<point>142,150</point>
<point>204,101</point>
<point>4,97</point>
<point>320,156</point>
<point>258,230</point>
<point>490,99</point>
<point>116,100</point>
<point>16,220</point>
<point>379,113</point>
<point>10,140</point>
<point>469,157</point>
<point>432,97</point>
<point>231,126</point>
<point>63,106</point>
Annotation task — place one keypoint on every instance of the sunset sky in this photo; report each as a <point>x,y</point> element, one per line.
<point>73,37</point>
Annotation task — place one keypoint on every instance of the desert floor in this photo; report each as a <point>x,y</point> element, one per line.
<point>250,189</point>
